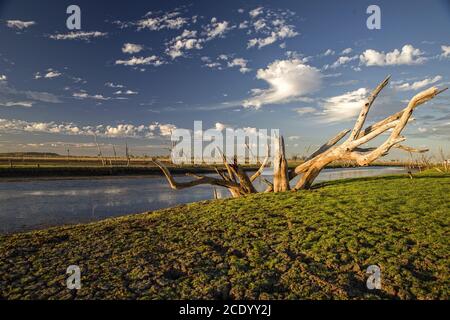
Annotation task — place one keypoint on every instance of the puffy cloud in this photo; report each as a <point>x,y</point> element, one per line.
<point>445,51</point>
<point>135,61</point>
<point>345,106</point>
<point>19,24</point>
<point>418,84</point>
<point>84,95</point>
<point>407,56</point>
<point>241,63</point>
<point>256,12</point>
<point>280,33</point>
<point>3,77</point>
<point>169,20</point>
<point>328,52</point>
<point>341,61</point>
<point>347,51</point>
<point>50,74</point>
<point>79,35</point>
<point>186,41</point>
<point>216,29</point>
<point>220,126</point>
<point>271,26</point>
<point>243,25</point>
<point>113,85</point>
<point>126,92</point>
<point>190,40</point>
<point>165,129</point>
<point>288,80</point>
<point>132,48</point>
<point>123,130</point>
<point>13,125</point>
<point>230,63</point>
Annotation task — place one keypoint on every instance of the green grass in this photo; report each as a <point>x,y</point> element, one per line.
<point>306,245</point>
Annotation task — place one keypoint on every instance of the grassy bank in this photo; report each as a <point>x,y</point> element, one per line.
<point>306,245</point>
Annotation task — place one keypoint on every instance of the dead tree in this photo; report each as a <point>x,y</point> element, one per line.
<point>352,149</point>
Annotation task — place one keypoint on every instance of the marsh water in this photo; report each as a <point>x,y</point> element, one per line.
<point>27,204</point>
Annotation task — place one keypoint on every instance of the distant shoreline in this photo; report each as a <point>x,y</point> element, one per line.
<point>113,171</point>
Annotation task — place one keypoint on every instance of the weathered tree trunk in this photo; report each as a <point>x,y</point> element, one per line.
<point>351,150</point>
<point>280,167</point>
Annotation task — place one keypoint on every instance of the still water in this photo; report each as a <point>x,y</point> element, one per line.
<point>27,204</point>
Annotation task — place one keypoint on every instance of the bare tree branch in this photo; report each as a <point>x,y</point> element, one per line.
<point>365,109</point>
<point>199,180</point>
<point>410,149</point>
<point>261,168</point>
<point>329,143</point>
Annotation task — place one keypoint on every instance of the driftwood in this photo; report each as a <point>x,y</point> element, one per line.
<point>352,149</point>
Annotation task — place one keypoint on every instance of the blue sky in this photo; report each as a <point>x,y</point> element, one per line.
<point>138,69</point>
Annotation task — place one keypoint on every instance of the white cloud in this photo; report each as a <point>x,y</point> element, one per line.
<point>305,110</point>
<point>122,130</point>
<point>216,29</point>
<point>270,26</point>
<point>445,51</point>
<point>241,63</point>
<point>342,60</point>
<point>49,74</point>
<point>293,138</point>
<point>79,35</point>
<point>170,20</point>
<point>328,52</point>
<point>422,130</point>
<point>418,84</point>
<point>132,48</point>
<point>288,80</point>
<point>84,95</point>
<point>27,104</point>
<point>190,40</point>
<point>256,12</point>
<point>220,126</point>
<point>214,65</point>
<point>345,106</point>
<point>113,85</point>
<point>259,24</point>
<point>407,56</point>
<point>347,51</point>
<point>19,24</point>
<point>243,25</point>
<point>186,41</point>
<point>164,130</point>
<point>127,92</point>
<point>279,33</point>
<point>3,77</point>
<point>136,61</point>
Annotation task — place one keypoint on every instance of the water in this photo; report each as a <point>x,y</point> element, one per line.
<point>28,204</point>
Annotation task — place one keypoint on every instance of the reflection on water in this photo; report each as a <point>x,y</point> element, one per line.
<point>33,204</point>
